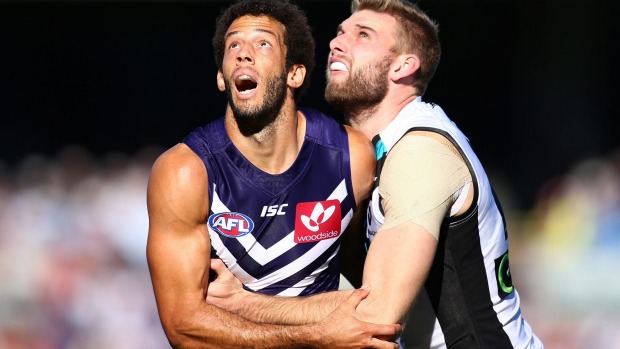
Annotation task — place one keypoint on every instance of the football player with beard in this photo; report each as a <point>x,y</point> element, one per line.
<point>267,190</point>
<point>438,242</point>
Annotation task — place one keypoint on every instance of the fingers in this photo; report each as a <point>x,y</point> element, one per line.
<point>386,332</point>
<point>217,265</point>
<point>356,297</point>
<point>385,336</point>
<point>215,269</point>
<point>381,344</point>
<point>219,268</point>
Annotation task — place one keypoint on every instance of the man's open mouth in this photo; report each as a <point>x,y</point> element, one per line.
<point>245,84</point>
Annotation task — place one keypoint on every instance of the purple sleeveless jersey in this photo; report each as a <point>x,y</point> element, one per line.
<point>279,234</point>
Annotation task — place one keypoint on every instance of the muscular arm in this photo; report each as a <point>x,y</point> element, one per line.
<point>396,266</point>
<point>419,179</point>
<point>178,254</point>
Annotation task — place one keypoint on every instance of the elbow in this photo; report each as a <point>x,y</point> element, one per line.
<point>176,330</point>
<point>175,337</point>
<point>177,340</point>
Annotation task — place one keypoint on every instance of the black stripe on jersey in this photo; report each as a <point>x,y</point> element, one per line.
<point>501,212</point>
<point>468,319</point>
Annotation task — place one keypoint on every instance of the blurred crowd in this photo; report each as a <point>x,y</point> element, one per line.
<point>73,271</point>
<point>570,257</point>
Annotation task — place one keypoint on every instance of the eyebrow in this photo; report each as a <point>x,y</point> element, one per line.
<point>357,27</point>
<point>255,30</point>
<point>364,27</point>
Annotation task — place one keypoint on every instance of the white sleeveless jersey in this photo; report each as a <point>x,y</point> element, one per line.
<point>468,300</point>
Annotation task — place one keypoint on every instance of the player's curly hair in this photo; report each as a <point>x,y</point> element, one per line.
<point>298,37</point>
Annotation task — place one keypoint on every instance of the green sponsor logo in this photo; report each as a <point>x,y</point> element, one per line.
<point>504,280</point>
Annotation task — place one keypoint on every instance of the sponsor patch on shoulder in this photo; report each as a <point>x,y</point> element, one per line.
<point>318,220</point>
<point>231,224</point>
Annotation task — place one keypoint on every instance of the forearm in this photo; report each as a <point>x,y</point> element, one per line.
<point>396,268</point>
<point>288,310</point>
<point>341,329</point>
<point>212,327</point>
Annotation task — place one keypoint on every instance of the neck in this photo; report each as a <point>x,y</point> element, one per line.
<point>374,120</point>
<point>273,148</point>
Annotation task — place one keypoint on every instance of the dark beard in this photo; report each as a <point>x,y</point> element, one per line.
<point>252,120</point>
<point>361,92</point>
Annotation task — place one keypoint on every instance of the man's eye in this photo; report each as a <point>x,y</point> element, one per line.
<point>364,35</point>
<point>264,44</point>
<point>233,45</point>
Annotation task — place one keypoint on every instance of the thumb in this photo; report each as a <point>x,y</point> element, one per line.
<point>357,296</point>
<point>218,268</point>
<point>217,265</point>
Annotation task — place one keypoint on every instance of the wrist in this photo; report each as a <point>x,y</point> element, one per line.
<point>312,335</point>
<point>245,303</point>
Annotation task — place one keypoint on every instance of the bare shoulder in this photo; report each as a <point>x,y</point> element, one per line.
<point>361,148</point>
<point>179,155</point>
<point>178,182</point>
<point>363,162</point>
<point>180,163</point>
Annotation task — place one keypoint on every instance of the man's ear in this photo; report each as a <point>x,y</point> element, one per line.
<point>220,81</point>
<point>404,66</point>
<point>296,76</point>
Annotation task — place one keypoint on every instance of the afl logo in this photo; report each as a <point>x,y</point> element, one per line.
<point>231,224</point>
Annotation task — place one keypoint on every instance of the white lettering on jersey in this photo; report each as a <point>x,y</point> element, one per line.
<point>270,211</point>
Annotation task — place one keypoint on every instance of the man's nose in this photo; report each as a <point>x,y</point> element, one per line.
<point>244,55</point>
<point>338,44</point>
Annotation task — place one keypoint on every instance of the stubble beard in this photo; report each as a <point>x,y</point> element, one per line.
<point>360,94</point>
<point>252,119</point>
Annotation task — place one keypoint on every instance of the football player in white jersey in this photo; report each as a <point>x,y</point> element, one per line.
<point>438,256</point>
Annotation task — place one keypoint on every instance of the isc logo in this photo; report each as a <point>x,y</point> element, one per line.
<point>231,224</point>
<point>270,211</point>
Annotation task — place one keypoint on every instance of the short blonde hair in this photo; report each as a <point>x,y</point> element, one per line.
<point>416,33</point>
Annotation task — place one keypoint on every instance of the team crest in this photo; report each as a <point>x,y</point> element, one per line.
<point>318,220</point>
<point>231,224</point>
